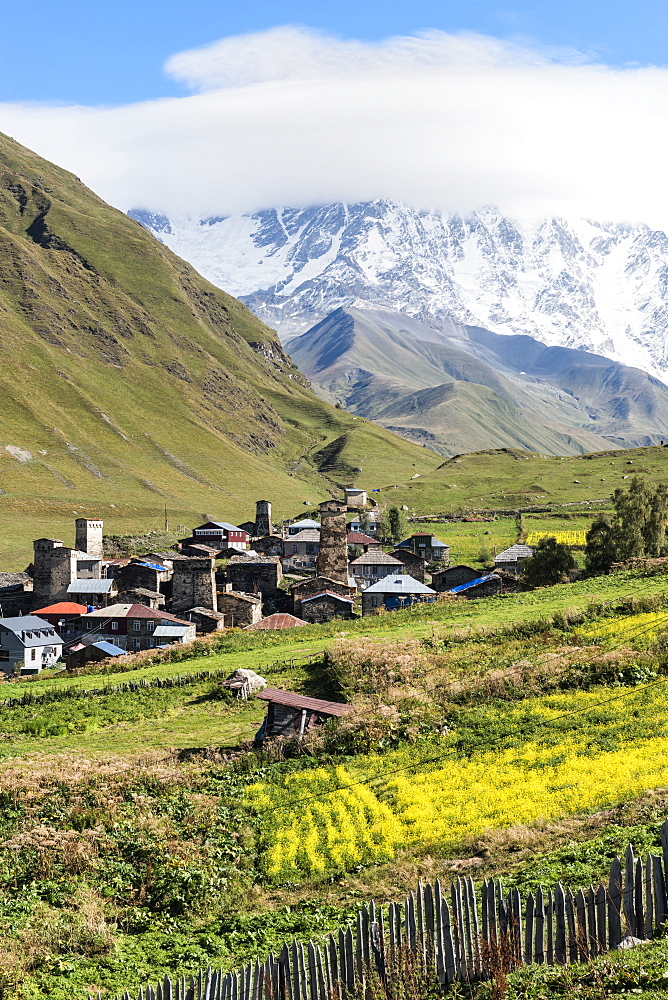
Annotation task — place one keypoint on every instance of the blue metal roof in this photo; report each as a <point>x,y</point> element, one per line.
<point>161,569</point>
<point>109,648</point>
<point>473,583</point>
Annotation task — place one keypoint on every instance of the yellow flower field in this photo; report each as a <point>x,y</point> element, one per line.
<point>325,820</point>
<point>575,538</point>
<point>626,627</point>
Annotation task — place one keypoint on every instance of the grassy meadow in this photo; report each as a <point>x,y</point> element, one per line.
<point>138,839</point>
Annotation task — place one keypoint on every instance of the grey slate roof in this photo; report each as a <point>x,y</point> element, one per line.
<point>376,557</point>
<point>91,586</point>
<point>42,633</point>
<point>514,553</point>
<point>305,535</point>
<point>399,583</point>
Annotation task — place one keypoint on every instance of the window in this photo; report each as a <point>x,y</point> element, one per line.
<point>90,625</point>
<point>114,626</point>
<point>136,643</point>
<point>136,626</point>
<point>33,653</point>
<point>4,656</point>
<point>150,626</point>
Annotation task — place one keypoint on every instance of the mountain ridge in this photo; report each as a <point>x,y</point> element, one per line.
<point>465,388</point>
<point>596,286</point>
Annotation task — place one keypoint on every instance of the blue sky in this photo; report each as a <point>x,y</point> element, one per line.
<point>113,52</point>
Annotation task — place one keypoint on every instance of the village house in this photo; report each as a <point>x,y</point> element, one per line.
<point>453,576</point>
<point>316,585</point>
<point>269,545</point>
<point>301,550</point>
<point>413,564</point>
<point>140,595</point>
<point>239,609</point>
<point>93,593</point>
<point>355,497</point>
<point>372,566</point>
<point>482,586</point>
<point>84,652</point>
<point>290,714</point>
<point>145,573</point>
<point>28,644</point>
<point>62,615</point>
<point>428,546</point>
<point>305,524</point>
<point>396,592</point>
<point>205,620</point>
<point>512,560</point>
<point>221,535</point>
<point>254,574</point>
<point>16,594</point>
<point>134,626</point>
<point>325,606</point>
<point>359,542</point>
<point>372,527</point>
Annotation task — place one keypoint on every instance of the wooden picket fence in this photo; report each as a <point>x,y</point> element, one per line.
<point>461,934</point>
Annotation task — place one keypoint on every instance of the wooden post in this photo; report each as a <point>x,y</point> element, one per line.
<point>639,900</point>
<point>539,940</point>
<point>629,923</point>
<point>615,904</point>
<point>560,931</point>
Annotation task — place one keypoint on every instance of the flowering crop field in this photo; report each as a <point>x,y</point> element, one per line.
<point>628,628</point>
<point>324,821</point>
<point>575,538</point>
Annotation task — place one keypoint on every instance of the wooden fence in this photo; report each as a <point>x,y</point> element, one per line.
<point>441,936</point>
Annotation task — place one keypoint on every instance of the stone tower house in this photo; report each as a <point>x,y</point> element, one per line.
<point>89,537</point>
<point>194,584</point>
<point>55,568</point>
<point>332,559</point>
<point>262,518</point>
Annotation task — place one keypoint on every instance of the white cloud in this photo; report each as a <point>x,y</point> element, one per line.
<point>439,121</point>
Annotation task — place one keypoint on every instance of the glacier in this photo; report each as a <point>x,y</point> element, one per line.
<point>602,287</point>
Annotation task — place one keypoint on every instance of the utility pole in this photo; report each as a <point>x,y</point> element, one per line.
<point>166,521</point>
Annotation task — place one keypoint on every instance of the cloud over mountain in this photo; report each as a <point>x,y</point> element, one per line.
<point>289,116</point>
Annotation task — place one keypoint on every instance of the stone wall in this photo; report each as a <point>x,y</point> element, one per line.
<point>324,609</point>
<point>255,575</point>
<point>332,559</point>
<point>239,609</point>
<point>193,584</point>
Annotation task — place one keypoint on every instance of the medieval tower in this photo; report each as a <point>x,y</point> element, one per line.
<point>332,559</point>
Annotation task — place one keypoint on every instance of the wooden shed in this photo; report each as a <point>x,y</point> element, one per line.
<point>290,714</point>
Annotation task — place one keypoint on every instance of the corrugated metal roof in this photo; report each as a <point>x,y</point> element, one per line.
<point>170,631</point>
<point>515,552</point>
<point>63,608</point>
<point>91,586</point>
<point>359,538</point>
<point>148,565</point>
<point>109,648</point>
<point>135,611</point>
<point>292,700</point>
<point>399,583</point>
<point>306,522</point>
<point>327,593</point>
<point>474,583</point>
<point>278,621</point>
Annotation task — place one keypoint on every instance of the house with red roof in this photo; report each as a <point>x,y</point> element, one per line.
<point>134,626</point>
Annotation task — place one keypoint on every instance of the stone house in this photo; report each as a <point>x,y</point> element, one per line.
<point>483,586</point>
<point>16,594</point>
<point>93,593</point>
<point>372,566</point>
<point>239,609</point>
<point>316,585</point>
<point>269,545</point>
<point>512,560</point>
<point>396,592</point>
<point>134,626</point>
<point>194,583</point>
<point>413,564</point>
<point>453,576</point>
<point>206,620</point>
<point>428,546</point>
<point>91,652</point>
<point>355,497</point>
<point>28,644</point>
<point>139,595</point>
<point>301,550</point>
<point>254,574</point>
<point>290,714</point>
<point>144,573</point>
<point>305,524</point>
<point>325,606</point>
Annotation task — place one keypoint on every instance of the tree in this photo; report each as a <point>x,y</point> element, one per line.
<point>364,520</point>
<point>600,548</point>
<point>397,527</point>
<point>640,515</point>
<point>550,563</point>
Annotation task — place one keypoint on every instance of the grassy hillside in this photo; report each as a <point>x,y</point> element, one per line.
<point>128,381</point>
<point>510,479</point>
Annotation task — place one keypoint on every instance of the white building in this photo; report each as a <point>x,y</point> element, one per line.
<point>28,644</point>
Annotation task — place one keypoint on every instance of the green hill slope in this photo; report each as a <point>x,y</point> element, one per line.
<point>129,382</point>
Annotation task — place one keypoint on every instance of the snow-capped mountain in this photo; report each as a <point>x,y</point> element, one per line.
<point>601,287</point>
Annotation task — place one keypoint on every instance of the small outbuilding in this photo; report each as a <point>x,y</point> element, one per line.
<point>278,621</point>
<point>325,606</point>
<point>454,576</point>
<point>483,586</point>
<point>512,560</point>
<point>396,592</point>
<point>92,652</point>
<point>290,714</point>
